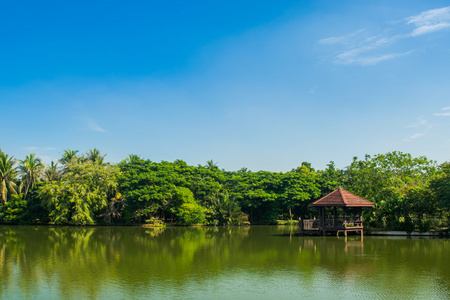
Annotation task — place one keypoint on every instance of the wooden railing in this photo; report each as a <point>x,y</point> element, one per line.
<point>340,222</point>
<point>311,224</point>
<point>314,224</point>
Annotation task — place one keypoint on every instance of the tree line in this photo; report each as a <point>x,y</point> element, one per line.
<point>82,188</point>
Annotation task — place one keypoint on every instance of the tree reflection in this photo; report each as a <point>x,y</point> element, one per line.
<point>96,261</point>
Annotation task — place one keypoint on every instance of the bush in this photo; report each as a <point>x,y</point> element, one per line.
<point>424,225</point>
<point>404,224</point>
<point>155,222</point>
<point>191,214</point>
<point>14,211</point>
<point>187,210</point>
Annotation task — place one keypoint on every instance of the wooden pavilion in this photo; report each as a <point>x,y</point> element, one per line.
<point>348,219</point>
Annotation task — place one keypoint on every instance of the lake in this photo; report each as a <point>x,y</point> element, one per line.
<point>257,262</point>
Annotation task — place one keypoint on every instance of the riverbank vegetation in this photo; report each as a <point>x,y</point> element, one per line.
<point>80,189</point>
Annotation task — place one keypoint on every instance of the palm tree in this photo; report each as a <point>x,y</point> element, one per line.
<point>211,165</point>
<point>95,156</point>
<point>7,175</point>
<point>68,155</point>
<point>31,169</point>
<point>51,172</point>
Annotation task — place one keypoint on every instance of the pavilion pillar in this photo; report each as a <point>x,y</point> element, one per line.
<point>335,216</point>
<point>322,220</point>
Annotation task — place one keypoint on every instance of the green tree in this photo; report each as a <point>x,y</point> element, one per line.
<point>186,209</point>
<point>7,176</point>
<point>397,183</point>
<point>52,172</point>
<point>31,169</point>
<point>330,179</point>
<point>374,177</point>
<point>95,156</point>
<point>258,194</point>
<point>68,156</point>
<point>14,211</point>
<point>211,165</point>
<point>440,187</point>
<point>224,210</point>
<point>82,194</point>
<point>299,187</point>
<point>148,188</point>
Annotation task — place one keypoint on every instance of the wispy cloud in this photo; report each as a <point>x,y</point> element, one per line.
<point>354,58</point>
<point>365,48</point>
<point>421,121</point>
<point>93,125</point>
<point>44,153</point>
<point>340,39</point>
<point>43,149</point>
<point>47,159</point>
<point>414,137</point>
<point>430,21</point>
<point>313,89</point>
<point>445,112</point>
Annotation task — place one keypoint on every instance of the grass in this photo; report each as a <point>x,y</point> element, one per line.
<point>287,222</point>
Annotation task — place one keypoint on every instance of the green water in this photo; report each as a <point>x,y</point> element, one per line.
<point>258,262</point>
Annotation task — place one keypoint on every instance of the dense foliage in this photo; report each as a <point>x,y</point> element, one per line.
<point>408,192</point>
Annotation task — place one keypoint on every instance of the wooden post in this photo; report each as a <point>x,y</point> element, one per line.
<point>322,220</point>
<point>344,222</point>
<point>321,216</point>
<point>335,217</point>
<point>300,223</point>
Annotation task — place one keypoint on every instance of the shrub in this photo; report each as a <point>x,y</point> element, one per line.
<point>187,210</point>
<point>14,211</point>
<point>155,222</point>
<point>191,213</point>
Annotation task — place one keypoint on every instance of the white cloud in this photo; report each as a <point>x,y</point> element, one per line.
<point>340,39</point>
<point>363,49</point>
<point>443,114</point>
<point>42,149</point>
<point>430,28</point>
<point>417,135</point>
<point>94,126</point>
<point>414,137</point>
<point>352,57</point>
<point>313,89</point>
<point>357,52</point>
<point>43,153</point>
<point>446,114</point>
<point>420,122</point>
<point>430,21</point>
<point>367,61</point>
<point>31,148</point>
<point>47,159</point>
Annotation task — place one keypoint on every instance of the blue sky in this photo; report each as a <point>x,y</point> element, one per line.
<point>264,85</point>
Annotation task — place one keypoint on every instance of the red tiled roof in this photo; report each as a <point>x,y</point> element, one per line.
<point>341,197</point>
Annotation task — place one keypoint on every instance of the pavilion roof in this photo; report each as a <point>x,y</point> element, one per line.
<point>341,197</point>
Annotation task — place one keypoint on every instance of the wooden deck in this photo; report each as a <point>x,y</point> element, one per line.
<point>314,226</point>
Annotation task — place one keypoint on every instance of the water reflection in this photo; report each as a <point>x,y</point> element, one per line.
<point>103,262</point>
